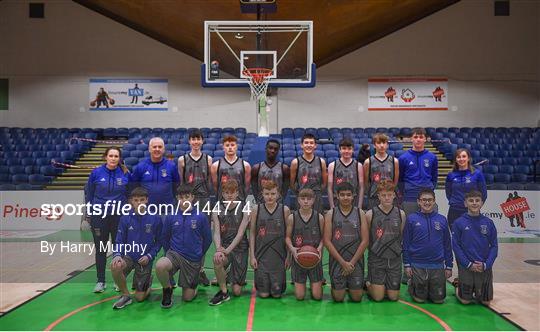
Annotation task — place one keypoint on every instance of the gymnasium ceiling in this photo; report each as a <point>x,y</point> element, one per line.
<point>340,26</point>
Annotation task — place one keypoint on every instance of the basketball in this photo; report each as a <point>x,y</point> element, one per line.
<point>93,103</point>
<point>111,101</point>
<point>308,257</point>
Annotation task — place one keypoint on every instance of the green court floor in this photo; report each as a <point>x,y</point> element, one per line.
<point>72,306</point>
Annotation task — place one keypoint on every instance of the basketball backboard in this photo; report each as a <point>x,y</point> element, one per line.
<point>284,47</point>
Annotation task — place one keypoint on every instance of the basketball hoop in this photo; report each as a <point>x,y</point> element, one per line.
<point>258,79</point>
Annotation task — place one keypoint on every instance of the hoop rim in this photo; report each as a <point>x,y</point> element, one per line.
<point>257,75</point>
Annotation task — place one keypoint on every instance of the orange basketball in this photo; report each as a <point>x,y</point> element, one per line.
<point>93,103</point>
<point>308,257</point>
<point>111,101</point>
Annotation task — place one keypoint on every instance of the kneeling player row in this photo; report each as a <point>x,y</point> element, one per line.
<point>422,241</point>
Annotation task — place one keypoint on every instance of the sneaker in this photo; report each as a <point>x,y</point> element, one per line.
<point>203,278</point>
<point>167,301</point>
<point>123,301</point>
<point>219,298</point>
<point>116,288</point>
<point>100,287</point>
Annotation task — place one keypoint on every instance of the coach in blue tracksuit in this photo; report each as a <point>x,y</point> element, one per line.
<point>463,179</point>
<point>108,182</point>
<point>427,251</point>
<point>156,174</point>
<point>137,244</point>
<point>418,169</point>
<point>474,238</point>
<point>185,238</point>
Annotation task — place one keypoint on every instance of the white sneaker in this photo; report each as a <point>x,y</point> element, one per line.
<point>100,287</point>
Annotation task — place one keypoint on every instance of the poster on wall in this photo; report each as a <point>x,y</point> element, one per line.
<point>408,94</point>
<point>128,94</point>
<point>514,212</point>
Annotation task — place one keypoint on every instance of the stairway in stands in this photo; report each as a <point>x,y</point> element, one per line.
<point>445,165</point>
<point>75,179</point>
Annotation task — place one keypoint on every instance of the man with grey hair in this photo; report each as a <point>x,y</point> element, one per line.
<point>156,174</point>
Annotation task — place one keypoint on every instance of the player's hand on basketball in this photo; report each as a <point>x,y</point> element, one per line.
<point>144,260</point>
<point>408,272</point>
<point>254,263</point>
<point>447,273</point>
<point>294,253</point>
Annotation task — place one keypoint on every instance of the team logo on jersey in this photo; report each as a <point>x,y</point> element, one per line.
<point>483,229</point>
<point>467,228</point>
<point>119,181</point>
<point>262,231</point>
<point>417,224</point>
<point>191,178</point>
<point>379,232</point>
<point>163,173</point>
<point>376,177</point>
<point>194,224</point>
<point>467,179</point>
<point>102,180</point>
<point>224,178</point>
<point>147,173</point>
<point>337,234</point>
<point>130,228</point>
<point>298,240</point>
<point>340,180</point>
<point>304,179</point>
<point>148,228</point>
<point>437,225</point>
<point>426,163</point>
<point>176,224</point>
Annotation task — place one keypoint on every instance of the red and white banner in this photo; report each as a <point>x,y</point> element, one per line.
<point>21,210</point>
<point>515,213</point>
<point>408,94</point>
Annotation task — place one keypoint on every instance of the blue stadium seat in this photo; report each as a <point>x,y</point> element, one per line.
<point>131,161</point>
<point>142,147</point>
<point>515,186</point>
<point>7,187</point>
<point>319,153</point>
<point>128,147</point>
<point>502,178</point>
<point>510,161</point>
<point>326,147</point>
<point>331,154</point>
<point>27,161</point>
<point>501,153</point>
<point>289,153</point>
<point>135,153</point>
<point>219,154</point>
<point>5,178</point>
<point>4,169</point>
<point>396,146</point>
<point>491,169</point>
<point>507,169</point>
<point>169,147</point>
<point>487,154</point>
<point>522,169</point>
<point>516,154</point>
<point>16,170</point>
<point>19,178</point>
<point>399,153</point>
<point>519,177</point>
<point>496,161</point>
<point>38,179</point>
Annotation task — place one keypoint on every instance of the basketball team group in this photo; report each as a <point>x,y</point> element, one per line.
<point>396,225</point>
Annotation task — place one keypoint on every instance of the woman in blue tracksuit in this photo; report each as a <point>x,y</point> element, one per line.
<point>460,181</point>
<point>107,182</point>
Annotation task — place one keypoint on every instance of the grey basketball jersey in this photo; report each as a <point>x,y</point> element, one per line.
<point>267,173</point>
<point>346,233</point>
<point>379,170</point>
<point>309,174</point>
<point>346,173</point>
<point>306,232</point>
<point>196,174</point>
<point>385,233</point>
<point>228,171</point>
<point>229,223</point>
<point>270,249</point>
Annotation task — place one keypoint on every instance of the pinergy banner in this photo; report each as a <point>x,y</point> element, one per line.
<point>408,94</point>
<point>22,210</point>
<point>128,94</point>
<point>514,212</point>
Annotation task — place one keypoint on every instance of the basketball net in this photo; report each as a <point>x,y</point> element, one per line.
<point>258,79</point>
